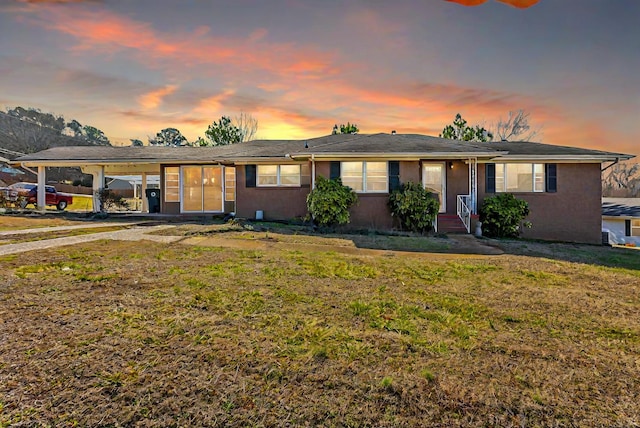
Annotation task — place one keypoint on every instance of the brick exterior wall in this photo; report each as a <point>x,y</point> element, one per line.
<point>573,213</point>
<point>277,203</point>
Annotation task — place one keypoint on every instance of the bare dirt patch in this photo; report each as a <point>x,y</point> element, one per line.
<point>166,334</point>
<point>17,222</point>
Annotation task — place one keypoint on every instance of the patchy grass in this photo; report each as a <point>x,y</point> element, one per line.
<point>305,236</point>
<point>19,222</point>
<point>112,334</point>
<point>30,237</point>
<point>616,257</point>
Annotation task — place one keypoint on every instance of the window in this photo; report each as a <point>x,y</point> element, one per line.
<point>229,183</point>
<point>172,184</point>
<point>368,177</point>
<point>635,227</point>
<point>519,177</point>
<point>278,175</point>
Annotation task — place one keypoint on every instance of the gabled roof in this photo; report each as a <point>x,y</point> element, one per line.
<point>621,207</point>
<point>340,146</point>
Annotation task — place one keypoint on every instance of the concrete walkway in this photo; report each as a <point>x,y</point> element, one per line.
<point>136,233</point>
<point>58,228</point>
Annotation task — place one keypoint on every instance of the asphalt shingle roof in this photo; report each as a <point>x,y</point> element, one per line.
<point>340,144</point>
<point>621,207</point>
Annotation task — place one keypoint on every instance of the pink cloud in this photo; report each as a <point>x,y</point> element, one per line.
<point>112,33</point>
<point>153,99</point>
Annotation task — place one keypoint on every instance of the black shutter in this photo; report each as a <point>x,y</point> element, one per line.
<point>394,175</point>
<point>627,228</point>
<point>551,177</point>
<point>335,170</point>
<point>490,175</point>
<point>250,176</point>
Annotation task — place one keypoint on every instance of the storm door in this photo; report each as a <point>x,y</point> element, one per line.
<point>434,180</point>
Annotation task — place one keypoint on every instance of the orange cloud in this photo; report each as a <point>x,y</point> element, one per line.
<point>153,99</point>
<point>522,4</point>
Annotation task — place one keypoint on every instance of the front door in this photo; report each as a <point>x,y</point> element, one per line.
<point>434,180</point>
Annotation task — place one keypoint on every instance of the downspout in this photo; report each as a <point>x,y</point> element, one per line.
<point>313,172</point>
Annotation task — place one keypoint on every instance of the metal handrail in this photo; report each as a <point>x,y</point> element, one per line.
<point>463,210</point>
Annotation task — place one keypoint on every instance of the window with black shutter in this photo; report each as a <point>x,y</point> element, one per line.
<point>551,174</point>
<point>394,175</point>
<point>490,175</point>
<point>250,175</point>
<point>334,172</point>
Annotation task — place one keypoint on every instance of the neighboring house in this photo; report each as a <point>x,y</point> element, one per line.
<point>621,218</point>
<point>561,184</point>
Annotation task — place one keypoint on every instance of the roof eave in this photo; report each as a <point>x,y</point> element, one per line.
<point>395,156</point>
<point>564,158</point>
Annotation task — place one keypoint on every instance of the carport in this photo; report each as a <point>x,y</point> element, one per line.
<point>97,161</point>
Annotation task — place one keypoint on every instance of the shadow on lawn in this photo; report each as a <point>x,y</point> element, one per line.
<point>601,255</point>
<point>305,235</point>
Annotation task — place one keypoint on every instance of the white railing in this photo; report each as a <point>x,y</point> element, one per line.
<point>463,210</point>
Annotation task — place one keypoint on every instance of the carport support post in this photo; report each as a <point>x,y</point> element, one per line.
<point>41,198</point>
<point>98,183</point>
<point>143,193</point>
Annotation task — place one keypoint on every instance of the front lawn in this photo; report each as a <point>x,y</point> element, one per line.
<point>114,334</point>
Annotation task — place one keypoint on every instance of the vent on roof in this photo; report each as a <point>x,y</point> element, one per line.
<point>306,145</point>
<point>393,132</point>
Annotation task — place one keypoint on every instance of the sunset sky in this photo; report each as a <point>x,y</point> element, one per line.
<point>132,68</point>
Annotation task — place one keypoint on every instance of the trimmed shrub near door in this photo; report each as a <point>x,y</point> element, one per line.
<point>414,206</point>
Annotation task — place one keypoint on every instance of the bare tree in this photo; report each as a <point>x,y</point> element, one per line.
<point>248,126</point>
<point>516,128</point>
<point>622,180</point>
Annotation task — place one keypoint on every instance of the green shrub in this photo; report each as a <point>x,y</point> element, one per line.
<point>414,206</point>
<point>330,201</point>
<point>502,215</point>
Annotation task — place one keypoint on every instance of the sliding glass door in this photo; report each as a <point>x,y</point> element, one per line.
<point>202,189</point>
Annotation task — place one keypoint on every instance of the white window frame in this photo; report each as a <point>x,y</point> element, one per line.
<point>505,175</point>
<point>635,227</point>
<point>182,196</point>
<point>278,176</point>
<point>229,183</point>
<point>363,175</point>
<point>175,189</point>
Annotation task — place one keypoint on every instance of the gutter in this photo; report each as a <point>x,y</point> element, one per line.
<point>393,156</point>
<point>561,158</point>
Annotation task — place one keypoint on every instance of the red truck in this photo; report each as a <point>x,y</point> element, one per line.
<point>29,194</point>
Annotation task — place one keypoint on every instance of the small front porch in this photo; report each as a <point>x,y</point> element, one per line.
<point>457,192</point>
